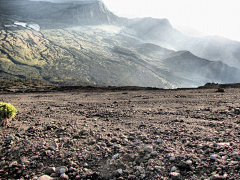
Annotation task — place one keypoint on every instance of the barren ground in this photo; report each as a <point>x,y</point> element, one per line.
<point>151,134</point>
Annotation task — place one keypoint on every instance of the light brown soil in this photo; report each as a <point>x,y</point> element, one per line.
<point>151,134</point>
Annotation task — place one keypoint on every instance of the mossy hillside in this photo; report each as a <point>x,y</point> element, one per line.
<point>63,55</point>
<point>24,46</point>
<point>90,55</point>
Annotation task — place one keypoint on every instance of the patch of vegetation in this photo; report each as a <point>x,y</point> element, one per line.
<point>7,112</point>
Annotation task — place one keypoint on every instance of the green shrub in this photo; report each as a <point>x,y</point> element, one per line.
<point>7,112</point>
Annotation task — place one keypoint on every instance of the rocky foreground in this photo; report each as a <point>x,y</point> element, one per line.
<point>141,134</point>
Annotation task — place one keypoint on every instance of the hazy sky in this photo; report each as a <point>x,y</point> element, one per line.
<point>213,17</point>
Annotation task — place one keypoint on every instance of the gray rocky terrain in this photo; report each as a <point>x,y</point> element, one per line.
<point>122,134</point>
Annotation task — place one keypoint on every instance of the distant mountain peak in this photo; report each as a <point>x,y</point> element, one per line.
<point>80,12</point>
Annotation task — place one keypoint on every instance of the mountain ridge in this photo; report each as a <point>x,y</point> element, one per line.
<point>79,13</point>
<point>214,48</point>
<point>84,52</point>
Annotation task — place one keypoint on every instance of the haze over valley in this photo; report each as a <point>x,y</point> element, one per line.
<point>84,43</point>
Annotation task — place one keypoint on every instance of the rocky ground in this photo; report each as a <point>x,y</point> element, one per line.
<point>141,134</point>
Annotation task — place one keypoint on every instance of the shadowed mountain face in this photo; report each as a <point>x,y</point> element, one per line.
<point>84,43</point>
<point>76,13</point>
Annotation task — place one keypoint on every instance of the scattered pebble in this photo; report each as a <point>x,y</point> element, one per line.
<point>160,138</point>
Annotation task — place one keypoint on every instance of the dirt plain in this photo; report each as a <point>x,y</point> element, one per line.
<point>122,134</point>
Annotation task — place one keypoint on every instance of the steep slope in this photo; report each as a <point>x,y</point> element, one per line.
<point>77,13</point>
<point>35,43</point>
<point>160,31</point>
<point>95,55</point>
<point>74,55</point>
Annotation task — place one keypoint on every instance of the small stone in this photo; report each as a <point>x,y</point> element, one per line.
<point>175,176</point>
<point>139,168</point>
<point>78,177</point>
<point>54,175</point>
<point>159,141</point>
<point>173,169</point>
<point>114,139</point>
<point>236,111</point>
<point>154,153</point>
<point>136,143</point>
<point>50,170</point>
<point>19,171</point>
<point>54,146</point>
<point>71,169</point>
<point>131,177</point>
<point>143,176</point>
<point>14,163</point>
<point>223,144</point>
<point>158,168</point>
<point>27,141</point>
<point>125,171</point>
<point>63,177</point>
<point>148,148</point>
<point>34,157</point>
<point>150,168</point>
<point>45,177</point>
<point>218,177</point>
<point>31,129</point>
<point>91,142</point>
<point>214,157</point>
<point>9,138</point>
<point>42,143</point>
<point>183,165</point>
<point>97,147</point>
<point>115,156</point>
<point>2,163</point>
<point>122,136</point>
<point>172,158</point>
<point>40,166</point>
<point>25,161</point>
<point>61,129</point>
<point>167,155</point>
<point>189,162</point>
<point>119,171</point>
<point>61,170</point>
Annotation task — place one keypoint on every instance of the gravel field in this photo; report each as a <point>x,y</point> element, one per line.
<point>142,134</point>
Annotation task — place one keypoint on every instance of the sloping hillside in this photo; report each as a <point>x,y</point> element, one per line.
<point>35,43</point>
